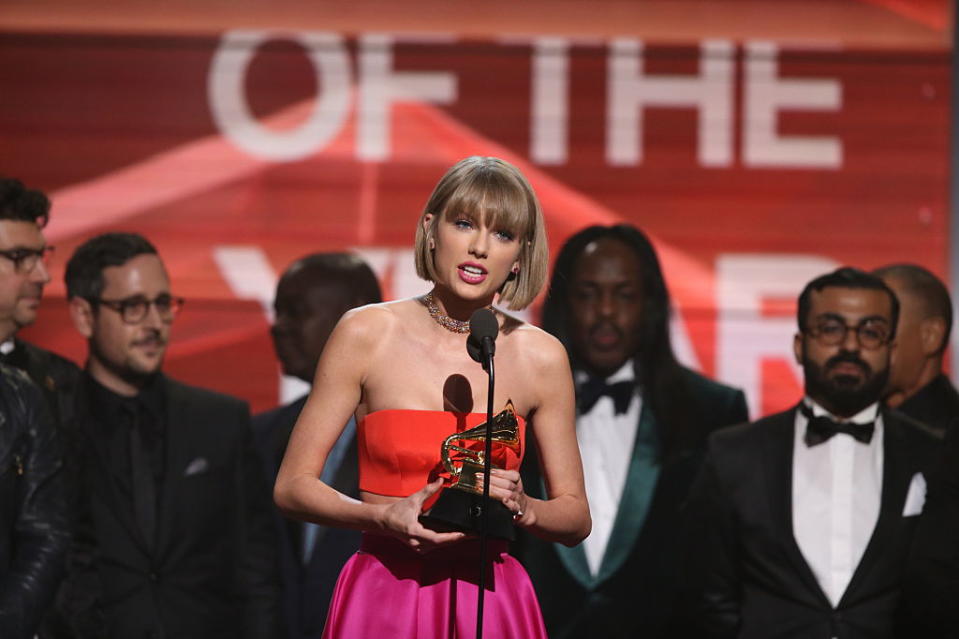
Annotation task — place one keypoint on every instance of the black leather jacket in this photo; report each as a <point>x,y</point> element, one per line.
<point>33,521</point>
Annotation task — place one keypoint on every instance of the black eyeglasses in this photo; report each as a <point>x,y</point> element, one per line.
<point>134,309</point>
<point>871,333</point>
<point>26,259</point>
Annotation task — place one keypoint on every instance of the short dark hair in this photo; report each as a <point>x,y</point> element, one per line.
<point>20,204</point>
<point>933,293</point>
<point>84,274</point>
<point>846,277</point>
<point>660,376</point>
<point>345,271</point>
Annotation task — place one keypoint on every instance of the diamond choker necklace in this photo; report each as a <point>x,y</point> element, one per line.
<point>444,320</point>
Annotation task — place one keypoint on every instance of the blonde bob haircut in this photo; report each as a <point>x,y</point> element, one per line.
<point>492,191</point>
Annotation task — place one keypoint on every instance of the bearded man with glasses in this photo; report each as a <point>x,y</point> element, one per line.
<point>800,523</point>
<point>174,536</point>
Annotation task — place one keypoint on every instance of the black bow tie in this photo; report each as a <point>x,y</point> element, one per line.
<point>595,387</point>
<point>820,429</point>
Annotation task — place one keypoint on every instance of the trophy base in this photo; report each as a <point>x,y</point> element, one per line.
<point>462,511</point>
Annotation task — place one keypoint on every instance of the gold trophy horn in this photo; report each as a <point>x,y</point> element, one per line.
<point>460,507</point>
<point>504,432</point>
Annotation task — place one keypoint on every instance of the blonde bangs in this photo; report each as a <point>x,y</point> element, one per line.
<point>497,200</point>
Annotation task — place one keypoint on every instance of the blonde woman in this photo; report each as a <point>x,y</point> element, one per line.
<point>402,369</point>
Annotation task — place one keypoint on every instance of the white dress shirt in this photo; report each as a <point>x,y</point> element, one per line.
<point>836,493</point>
<point>606,444</point>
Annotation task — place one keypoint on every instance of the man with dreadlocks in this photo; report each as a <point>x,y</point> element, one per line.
<point>642,422</point>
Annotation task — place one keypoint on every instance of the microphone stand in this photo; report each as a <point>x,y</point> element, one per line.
<point>487,461</point>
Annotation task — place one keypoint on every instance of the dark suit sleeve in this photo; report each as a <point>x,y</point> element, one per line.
<point>40,532</point>
<point>712,588</point>
<point>257,570</point>
<point>932,575</point>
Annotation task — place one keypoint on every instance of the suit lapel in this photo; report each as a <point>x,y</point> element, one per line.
<point>778,460</point>
<point>574,560</point>
<point>896,476</point>
<point>641,481</point>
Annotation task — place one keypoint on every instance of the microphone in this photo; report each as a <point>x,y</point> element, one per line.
<point>481,344</point>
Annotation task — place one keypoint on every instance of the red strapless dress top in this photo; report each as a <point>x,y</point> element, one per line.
<point>399,449</point>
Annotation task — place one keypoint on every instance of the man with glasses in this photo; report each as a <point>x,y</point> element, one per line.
<point>23,274</point>
<point>174,536</point>
<point>799,524</point>
<point>33,517</point>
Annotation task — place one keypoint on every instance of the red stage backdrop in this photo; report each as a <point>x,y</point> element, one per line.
<point>754,165</point>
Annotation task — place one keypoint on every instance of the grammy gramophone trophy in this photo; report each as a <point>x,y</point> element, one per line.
<point>460,505</point>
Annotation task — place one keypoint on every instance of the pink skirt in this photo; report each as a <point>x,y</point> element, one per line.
<point>387,590</point>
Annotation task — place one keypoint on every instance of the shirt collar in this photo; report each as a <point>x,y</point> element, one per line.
<point>866,415</point>
<point>151,397</point>
<point>626,373</point>
<point>7,347</point>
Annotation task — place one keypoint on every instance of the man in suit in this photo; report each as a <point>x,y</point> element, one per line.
<point>642,420</point>
<point>311,296</point>
<point>917,385</point>
<point>932,576</point>
<point>799,523</point>
<point>174,537</point>
<point>23,274</point>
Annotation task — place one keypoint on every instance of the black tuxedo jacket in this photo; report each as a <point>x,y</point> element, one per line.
<point>306,588</point>
<point>932,576</point>
<point>635,595</point>
<point>746,575</point>
<point>211,570</point>
<point>936,404</point>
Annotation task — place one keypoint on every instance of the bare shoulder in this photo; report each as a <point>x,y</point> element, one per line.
<point>543,371</point>
<point>375,323</point>
<point>367,325</point>
<point>366,318</point>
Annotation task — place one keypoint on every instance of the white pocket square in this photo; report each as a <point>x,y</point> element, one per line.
<point>916,497</point>
<point>197,466</point>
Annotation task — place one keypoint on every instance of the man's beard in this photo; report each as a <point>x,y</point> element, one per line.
<point>843,395</point>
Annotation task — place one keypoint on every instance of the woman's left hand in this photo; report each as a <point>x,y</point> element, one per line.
<point>507,487</point>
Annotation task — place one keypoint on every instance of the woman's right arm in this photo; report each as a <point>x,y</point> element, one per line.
<point>337,389</point>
